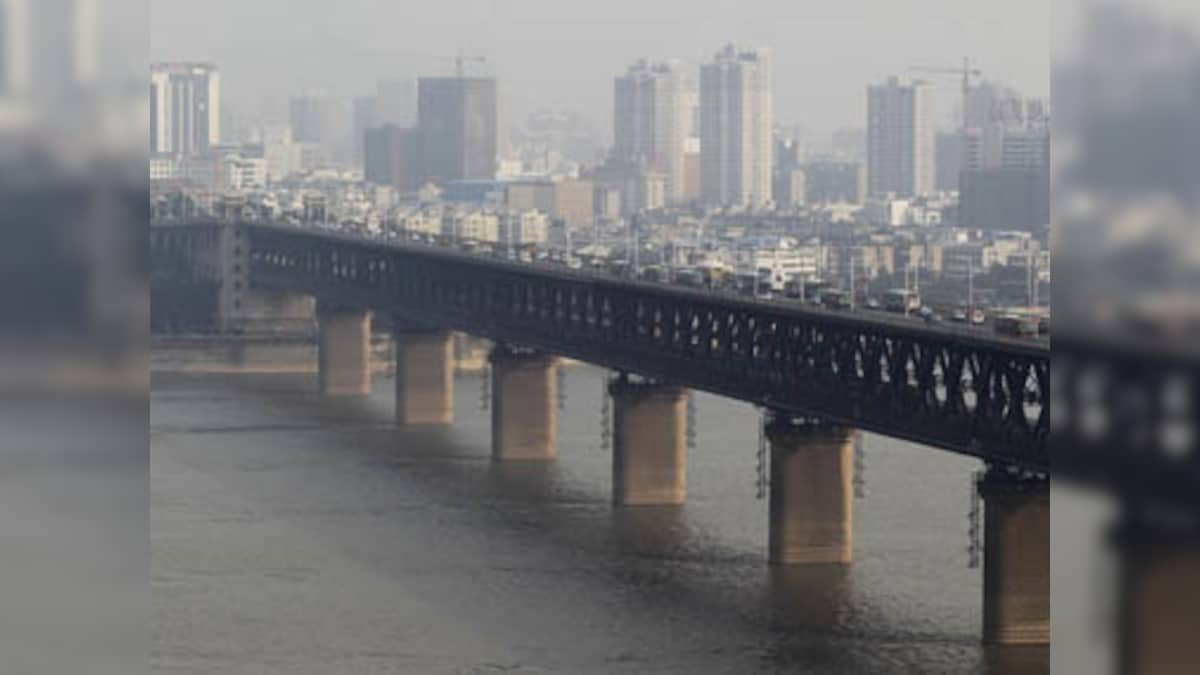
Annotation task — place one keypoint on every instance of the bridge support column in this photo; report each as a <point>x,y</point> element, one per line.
<point>1016,559</point>
<point>343,351</point>
<point>524,404</point>
<point>424,376</point>
<point>649,443</point>
<point>1159,593</point>
<point>811,497</point>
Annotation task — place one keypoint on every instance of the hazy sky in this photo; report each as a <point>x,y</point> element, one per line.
<point>564,53</point>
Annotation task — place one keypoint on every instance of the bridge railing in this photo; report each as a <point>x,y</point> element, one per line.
<point>970,394</point>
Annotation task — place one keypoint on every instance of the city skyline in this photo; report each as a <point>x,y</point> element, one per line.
<point>346,53</point>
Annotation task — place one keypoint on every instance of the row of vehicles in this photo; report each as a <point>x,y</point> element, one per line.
<point>1013,323</point>
<point>971,315</point>
<point>899,301</point>
<point>1022,325</point>
<point>709,277</point>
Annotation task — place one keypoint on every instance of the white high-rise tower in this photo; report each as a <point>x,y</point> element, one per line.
<point>185,108</point>
<point>650,122</point>
<point>735,128</point>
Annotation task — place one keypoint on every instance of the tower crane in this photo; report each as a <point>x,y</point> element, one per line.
<point>460,59</point>
<point>967,72</point>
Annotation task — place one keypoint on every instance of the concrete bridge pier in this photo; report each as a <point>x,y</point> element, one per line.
<point>424,375</point>
<point>343,351</point>
<point>1016,559</point>
<point>649,443</point>
<point>811,492</point>
<point>524,404</point>
<point>1159,594</point>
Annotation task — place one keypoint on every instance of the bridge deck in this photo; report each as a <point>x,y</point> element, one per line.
<point>860,318</point>
<point>1125,410</point>
<point>958,389</point>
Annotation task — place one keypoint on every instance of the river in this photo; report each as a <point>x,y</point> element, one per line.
<point>291,534</point>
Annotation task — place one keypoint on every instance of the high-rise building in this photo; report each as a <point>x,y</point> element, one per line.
<point>991,110</point>
<point>735,128</point>
<point>850,144</point>
<point>365,113</point>
<point>1008,188</point>
<point>691,109</point>
<point>949,159</point>
<point>392,157</point>
<point>691,169</point>
<point>397,102</point>
<point>458,118</point>
<point>788,188</point>
<point>185,108</point>
<point>788,154</point>
<point>394,104</point>
<point>901,145</point>
<point>833,181</point>
<point>1004,130</point>
<point>311,116</point>
<point>1026,149</point>
<point>1005,199</point>
<point>324,121</point>
<point>650,122</point>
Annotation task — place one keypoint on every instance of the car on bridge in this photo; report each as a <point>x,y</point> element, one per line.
<point>901,300</point>
<point>834,298</point>
<point>1016,326</point>
<point>655,274</point>
<point>975,317</point>
<point>690,277</point>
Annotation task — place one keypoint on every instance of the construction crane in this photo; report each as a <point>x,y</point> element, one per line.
<point>967,72</point>
<point>460,59</point>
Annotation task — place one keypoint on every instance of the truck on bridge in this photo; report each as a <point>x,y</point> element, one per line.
<point>901,300</point>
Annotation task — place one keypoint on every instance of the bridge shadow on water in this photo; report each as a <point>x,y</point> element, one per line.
<point>804,619</point>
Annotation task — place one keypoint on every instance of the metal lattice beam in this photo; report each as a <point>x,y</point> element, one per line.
<point>975,395</point>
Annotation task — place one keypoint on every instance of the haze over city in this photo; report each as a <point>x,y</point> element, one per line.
<point>624,336</point>
<point>563,55</point>
<point>666,336</point>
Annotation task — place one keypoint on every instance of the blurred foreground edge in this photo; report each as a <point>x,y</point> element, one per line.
<point>1125,410</point>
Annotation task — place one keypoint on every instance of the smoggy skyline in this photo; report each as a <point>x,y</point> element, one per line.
<point>550,54</point>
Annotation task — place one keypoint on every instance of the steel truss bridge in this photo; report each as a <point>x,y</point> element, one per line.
<point>1124,419</point>
<point>969,393</point>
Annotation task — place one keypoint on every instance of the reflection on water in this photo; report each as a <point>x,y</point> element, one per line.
<point>649,531</point>
<point>293,534</point>
<point>810,598</point>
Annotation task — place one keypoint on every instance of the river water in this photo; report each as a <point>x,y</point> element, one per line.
<point>291,534</point>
